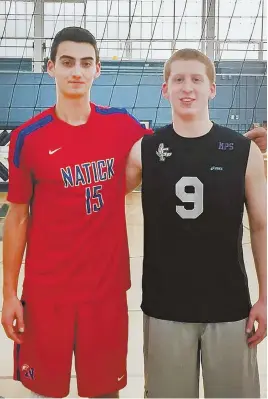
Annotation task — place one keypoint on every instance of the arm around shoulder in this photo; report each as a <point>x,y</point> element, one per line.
<point>134,167</point>
<point>259,136</point>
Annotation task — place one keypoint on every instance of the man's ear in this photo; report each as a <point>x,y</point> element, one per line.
<point>212,91</point>
<point>98,70</point>
<point>165,90</point>
<point>51,68</point>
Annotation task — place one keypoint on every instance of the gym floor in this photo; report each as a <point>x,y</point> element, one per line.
<point>134,389</point>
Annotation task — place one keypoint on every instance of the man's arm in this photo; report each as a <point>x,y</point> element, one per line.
<point>134,168</point>
<point>20,189</point>
<point>14,242</point>
<point>256,208</point>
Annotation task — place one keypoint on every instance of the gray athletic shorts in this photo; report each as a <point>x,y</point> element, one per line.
<point>172,355</point>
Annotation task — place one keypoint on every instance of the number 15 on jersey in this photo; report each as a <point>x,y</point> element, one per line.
<point>94,200</point>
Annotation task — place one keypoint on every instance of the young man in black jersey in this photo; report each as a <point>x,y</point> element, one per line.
<point>197,176</point>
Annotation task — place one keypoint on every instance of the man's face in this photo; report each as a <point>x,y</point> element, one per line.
<point>74,69</point>
<point>188,89</point>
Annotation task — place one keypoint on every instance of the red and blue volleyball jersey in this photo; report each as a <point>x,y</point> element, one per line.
<point>74,179</point>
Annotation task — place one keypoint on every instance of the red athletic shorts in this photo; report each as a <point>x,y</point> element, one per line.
<point>97,335</point>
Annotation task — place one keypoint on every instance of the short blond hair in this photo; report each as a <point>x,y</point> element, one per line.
<point>187,54</point>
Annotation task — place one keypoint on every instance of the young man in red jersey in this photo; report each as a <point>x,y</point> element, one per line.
<point>68,164</point>
<point>67,202</point>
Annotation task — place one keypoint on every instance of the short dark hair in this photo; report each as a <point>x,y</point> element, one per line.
<point>73,34</point>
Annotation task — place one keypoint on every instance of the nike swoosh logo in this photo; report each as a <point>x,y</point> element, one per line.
<point>119,379</point>
<point>53,151</point>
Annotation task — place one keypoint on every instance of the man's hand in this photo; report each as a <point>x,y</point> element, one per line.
<point>259,135</point>
<point>258,313</point>
<point>13,312</point>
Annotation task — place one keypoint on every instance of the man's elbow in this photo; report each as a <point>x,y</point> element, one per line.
<point>18,214</point>
<point>258,226</point>
<point>131,186</point>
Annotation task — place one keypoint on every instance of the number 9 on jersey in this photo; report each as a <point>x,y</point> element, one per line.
<point>196,198</point>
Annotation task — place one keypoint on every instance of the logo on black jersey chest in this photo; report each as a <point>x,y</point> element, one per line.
<point>226,146</point>
<point>163,152</point>
<point>217,168</point>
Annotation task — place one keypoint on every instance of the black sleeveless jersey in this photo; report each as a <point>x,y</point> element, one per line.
<point>193,197</point>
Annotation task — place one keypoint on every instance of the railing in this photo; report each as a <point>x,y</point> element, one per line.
<point>147,49</point>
